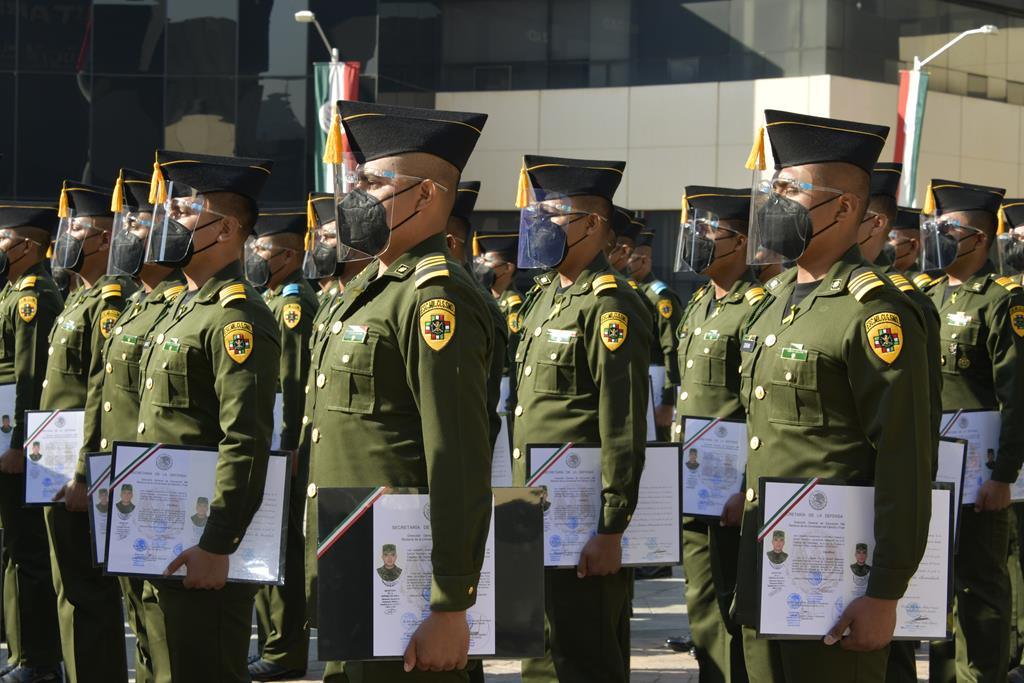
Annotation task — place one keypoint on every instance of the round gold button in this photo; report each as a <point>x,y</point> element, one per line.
<point>346,358</point>
<point>769,340</point>
<point>124,356</point>
<point>49,351</point>
<point>106,406</point>
<point>536,332</point>
<point>519,411</point>
<point>553,356</point>
<point>750,495</point>
<point>160,338</point>
<point>321,380</point>
<point>528,371</point>
<point>320,327</point>
<point>311,490</point>
<point>305,420</point>
<point>149,382</point>
<point>164,365</point>
<point>103,443</point>
<point>707,350</point>
<point>952,336</point>
<point>516,453</point>
<point>336,327</point>
<point>755,442</point>
<point>316,435</point>
<point>697,330</point>
<point>683,396</point>
<point>45,382</point>
<point>689,363</point>
<point>789,376</point>
<point>306,389</point>
<point>759,392</point>
<point>942,361</point>
<point>109,368</point>
<point>118,329</point>
<point>679,429</point>
<point>142,427</point>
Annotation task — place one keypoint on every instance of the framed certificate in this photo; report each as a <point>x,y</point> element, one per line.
<point>501,460</point>
<point>160,503</point>
<point>570,475</point>
<point>980,429</point>
<point>7,415</point>
<point>952,462</point>
<point>99,479</point>
<point>52,443</point>
<point>375,571</point>
<point>816,542</point>
<point>714,460</point>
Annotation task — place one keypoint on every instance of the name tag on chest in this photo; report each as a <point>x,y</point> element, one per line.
<point>561,336</point>
<point>355,333</point>
<point>958,319</point>
<point>749,343</point>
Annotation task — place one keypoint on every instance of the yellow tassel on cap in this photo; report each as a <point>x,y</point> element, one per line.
<point>1001,225</point>
<point>523,190</point>
<point>117,199</point>
<point>333,150</point>
<point>929,200</point>
<point>476,245</point>
<point>49,251</point>
<point>686,211</point>
<point>63,210</point>
<point>157,184</point>
<point>756,162</point>
<point>310,222</point>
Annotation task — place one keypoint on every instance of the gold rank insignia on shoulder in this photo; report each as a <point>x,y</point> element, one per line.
<point>231,293</point>
<point>665,308</point>
<point>107,320</point>
<point>754,295</point>
<point>901,283</point>
<point>291,314</point>
<point>110,291</point>
<point>922,280</point>
<point>633,284</point>
<point>885,336</point>
<point>603,283</point>
<point>238,340</point>
<point>614,327</point>
<point>28,282</point>
<point>172,293</point>
<point>513,300</point>
<point>27,308</point>
<point>515,323</point>
<point>863,283</point>
<point>431,267</point>
<point>1008,283</point>
<point>1017,319</point>
<point>437,322</point>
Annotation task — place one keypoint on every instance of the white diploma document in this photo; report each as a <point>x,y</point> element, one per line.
<point>99,503</point>
<point>714,459</point>
<point>7,417</point>
<point>952,461</point>
<point>501,460</point>
<point>980,428</point>
<point>160,503</point>
<point>53,440</point>
<point>571,477</point>
<point>275,437</point>
<point>816,547</point>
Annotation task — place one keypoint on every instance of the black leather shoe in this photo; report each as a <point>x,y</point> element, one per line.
<point>7,669</point>
<point>678,644</point>
<point>641,573</point>
<point>262,670</point>
<point>1016,675</point>
<point>32,674</point>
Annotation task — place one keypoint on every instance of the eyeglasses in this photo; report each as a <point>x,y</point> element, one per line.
<point>791,187</point>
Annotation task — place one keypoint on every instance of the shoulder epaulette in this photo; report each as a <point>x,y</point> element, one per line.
<point>231,293</point>
<point>172,292</point>
<point>901,283</point>
<point>513,300</point>
<point>863,282</point>
<point>603,283</point>
<point>922,280</point>
<point>934,281</point>
<point>110,291</point>
<point>28,282</point>
<point>699,293</point>
<point>658,287</point>
<point>430,267</point>
<point>754,295</point>
<point>633,284</point>
<point>1008,283</point>
<point>293,289</point>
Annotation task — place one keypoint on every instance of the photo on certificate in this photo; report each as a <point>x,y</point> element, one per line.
<point>53,440</point>
<point>7,415</point>
<point>816,543</point>
<point>99,478</point>
<point>714,460</point>
<point>501,459</point>
<point>570,477</point>
<point>161,498</point>
<point>980,429</point>
<point>952,462</point>
<point>375,574</point>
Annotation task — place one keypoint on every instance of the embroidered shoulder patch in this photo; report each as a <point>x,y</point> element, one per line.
<point>885,336</point>
<point>665,308</point>
<point>614,327</point>
<point>107,320</point>
<point>1017,320</point>
<point>238,341</point>
<point>515,322</point>
<point>27,308</point>
<point>437,322</point>
<point>291,314</point>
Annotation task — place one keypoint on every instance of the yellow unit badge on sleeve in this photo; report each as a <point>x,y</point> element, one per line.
<point>665,308</point>
<point>238,341</point>
<point>437,322</point>
<point>107,320</point>
<point>614,326</point>
<point>885,336</point>
<point>29,305</point>
<point>514,322</point>
<point>1017,320</point>
<point>292,314</point>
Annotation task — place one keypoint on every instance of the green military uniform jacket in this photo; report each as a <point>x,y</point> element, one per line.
<point>294,306</point>
<point>499,358</point>
<point>581,368</point>
<point>709,339</point>
<point>667,312</point>
<point>982,361</point>
<point>76,365</point>
<point>509,304</point>
<point>28,308</point>
<point>822,385</point>
<point>111,414</point>
<point>401,401</point>
<point>208,379</point>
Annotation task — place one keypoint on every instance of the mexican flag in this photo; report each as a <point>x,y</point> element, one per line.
<point>332,81</point>
<point>913,93</point>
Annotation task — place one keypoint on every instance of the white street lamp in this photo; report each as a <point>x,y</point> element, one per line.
<point>308,17</point>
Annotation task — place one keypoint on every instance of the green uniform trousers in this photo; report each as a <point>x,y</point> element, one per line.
<point>30,605</point>
<point>281,610</point>
<point>810,661</point>
<point>135,602</point>
<point>1014,569</point>
<point>88,603</point>
<point>586,629</point>
<point>902,664</point>
<point>981,625</point>
<point>205,632</point>
<point>710,554</point>
<point>393,672</point>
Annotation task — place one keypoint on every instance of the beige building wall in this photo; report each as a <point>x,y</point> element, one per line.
<point>701,133</point>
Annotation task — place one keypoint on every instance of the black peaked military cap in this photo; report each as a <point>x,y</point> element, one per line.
<point>799,139</point>
<point>465,200</point>
<point>323,207</point>
<point>375,131</point>
<point>907,219</point>
<point>646,236</point>
<point>207,173</point>
<point>502,242</point>
<point>290,220</point>
<point>947,196</point>
<point>570,177</point>
<point>85,200</point>
<point>20,213</point>
<point>135,189</point>
<point>727,203</point>
<point>625,223</point>
<point>885,180</point>
<point>1013,211</point>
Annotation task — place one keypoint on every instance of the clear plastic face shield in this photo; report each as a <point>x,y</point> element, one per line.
<point>781,211</point>
<point>77,237</point>
<point>1010,247</point>
<point>544,225</point>
<point>901,243</point>
<point>321,257</point>
<point>945,240</point>
<point>176,223</point>
<point>128,241</point>
<point>13,248</point>
<point>263,259</point>
<point>698,241</point>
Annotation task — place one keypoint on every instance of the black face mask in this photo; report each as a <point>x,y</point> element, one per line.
<point>5,262</point>
<point>1013,257</point>
<point>127,253</point>
<point>257,269</point>
<point>699,253</point>
<point>788,226</point>
<point>179,243</point>
<point>320,261</point>
<point>889,252</point>
<point>363,221</point>
<point>484,274</point>
<point>68,252</point>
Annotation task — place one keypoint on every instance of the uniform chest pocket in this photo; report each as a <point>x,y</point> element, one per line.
<point>125,353</point>
<point>794,397</point>
<point>708,359</point>
<point>961,347</point>
<point>556,368</point>
<point>67,345</point>
<point>169,378</point>
<point>349,385</point>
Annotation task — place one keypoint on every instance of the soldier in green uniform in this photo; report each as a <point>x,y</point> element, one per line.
<point>1010,241</point>
<point>29,303</point>
<point>982,338</point>
<point>713,243</point>
<point>904,245</point>
<point>112,408</point>
<point>89,603</point>
<point>403,370</point>
<point>496,251</point>
<point>834,379</point>
<point>274,257</point>
<point>581,369</point>
<point>208,379</point>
